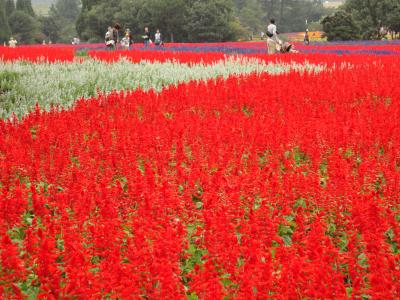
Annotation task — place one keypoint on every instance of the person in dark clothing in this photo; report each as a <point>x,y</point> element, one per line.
<point>146,37</point>
<point>306,38</point>
<point>128,31</point>
<point>116,30</point>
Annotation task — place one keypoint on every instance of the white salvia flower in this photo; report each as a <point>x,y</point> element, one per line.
<point>60,84</point>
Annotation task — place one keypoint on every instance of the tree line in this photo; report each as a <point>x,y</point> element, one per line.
<point>179,20</point>
<point>198,20</point>
<point>18,19</point>
<point>363,19</point>
<point>195,20</point>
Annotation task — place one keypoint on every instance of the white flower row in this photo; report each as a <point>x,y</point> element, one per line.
<point>23,84</point>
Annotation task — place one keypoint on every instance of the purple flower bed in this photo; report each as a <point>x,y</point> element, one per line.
<point>340,47</point>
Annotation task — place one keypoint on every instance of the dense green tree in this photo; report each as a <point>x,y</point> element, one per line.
<point>239,4</point>
<point>290,15</point>
<point>372,15</point>
<point>250,15</point>
<point>25,6</point>
<point>59,24</point>
<point>25,28</point>
<point>68,9</point>
<point>292,18</point>
<point>152,13</point>
<point>127,15</point>
<point>92,24</point>
<point>393,21</point>
<point>51,24</point>
<point>176,19</point>
<point>89,4</point>
<point>10,7</point>
<point>171,26</point>
<point>392,15</point>
<point>340,26</point>
<point>195,20</point>
<point>366,14</point>
<point>210,20</point>
<point>4,28</point>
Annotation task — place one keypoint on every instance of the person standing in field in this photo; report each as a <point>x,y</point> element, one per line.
<point>127,39</point>
<point>109,38</point>
<point>272,30</point>
<point>12,42</point>
<point>271,43</point>
<point>158,38</point>
<point>146,37</point>
<point>116,30</point>
<point>306,38</point>
<point>128,33</point>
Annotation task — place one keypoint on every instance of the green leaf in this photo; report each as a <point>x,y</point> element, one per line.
<point>301,202</point>
<point>192,296</point>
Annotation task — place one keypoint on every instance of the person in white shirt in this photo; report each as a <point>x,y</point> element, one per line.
<point>109,38</point>
<point>12,42</point>
<point>271,29</point>
<point>158,38</point>
<point>271,43</point>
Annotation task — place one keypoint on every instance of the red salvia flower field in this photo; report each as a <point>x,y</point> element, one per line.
<point>191,58</point>
<point>253,187</point>
<point>37,53</point>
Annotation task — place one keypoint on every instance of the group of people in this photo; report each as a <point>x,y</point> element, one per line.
<point>274,43</point>
<point>112,38</point>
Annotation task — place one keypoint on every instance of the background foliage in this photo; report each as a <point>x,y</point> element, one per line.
<point>366,19</point>
<point>194,20</point>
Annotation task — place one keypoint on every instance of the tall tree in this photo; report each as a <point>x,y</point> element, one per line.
<point>251,15</point>
<point>173,26</point>
<point>25,28</point>
<point>5,31</point>
<point>210,20</point>
<point>393,19</point>
<point>69,9</point>
<point>340,26</point>
<point>295,14</point>
<point>369,14</point>
<point>10,7</point>
<point>88,4</point>
<point>291,15</point>
<point>95,18</point>
<point>269,7</point>
<point>239,4</point>
<point>25,6</point>
<point>59,25</point>
<point>50,28</point>
<point>391,12</point>
<point>51,24</point>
